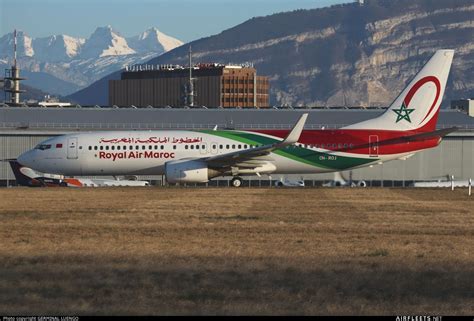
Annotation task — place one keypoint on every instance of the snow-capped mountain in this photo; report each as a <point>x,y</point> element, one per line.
<point>24,45</point>
<point>57,48</point>
<point>79,62</point>
<point>152,40</point>
<point>105,42</point>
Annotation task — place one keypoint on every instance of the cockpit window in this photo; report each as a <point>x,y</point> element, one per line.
<point>43,146</point>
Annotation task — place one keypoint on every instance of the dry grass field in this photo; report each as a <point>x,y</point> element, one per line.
<point>236,251</point>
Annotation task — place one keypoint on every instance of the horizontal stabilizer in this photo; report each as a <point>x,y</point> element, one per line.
<point>434,134</point>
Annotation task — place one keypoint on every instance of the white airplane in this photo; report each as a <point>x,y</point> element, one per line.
<point>449,182</point>
<point>183,156</point>
<point>289,183</point>
<point>340,181</point>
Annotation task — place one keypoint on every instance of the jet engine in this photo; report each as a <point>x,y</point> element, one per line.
<point>187,171</point>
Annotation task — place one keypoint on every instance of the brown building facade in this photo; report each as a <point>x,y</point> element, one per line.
<point>214,85</point>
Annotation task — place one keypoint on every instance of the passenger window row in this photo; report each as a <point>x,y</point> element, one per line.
<point>203,147</point>
<point>329,145</point>
<point>234,146</point>
<point>156,147</point>
<point>130,147</point>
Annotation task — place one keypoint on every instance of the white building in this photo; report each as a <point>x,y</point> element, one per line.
<point>466,105</point>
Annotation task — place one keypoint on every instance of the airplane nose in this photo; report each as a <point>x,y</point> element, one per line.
<point>25,159</point>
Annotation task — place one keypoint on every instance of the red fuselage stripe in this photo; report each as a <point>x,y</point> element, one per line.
<point>389,142</point>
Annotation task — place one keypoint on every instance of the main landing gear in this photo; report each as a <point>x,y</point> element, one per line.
<point>236,181</point>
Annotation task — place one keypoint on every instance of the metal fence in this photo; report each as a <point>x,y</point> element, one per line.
<point>263,183</point>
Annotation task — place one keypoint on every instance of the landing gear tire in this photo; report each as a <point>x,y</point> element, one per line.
<point>236,182</point>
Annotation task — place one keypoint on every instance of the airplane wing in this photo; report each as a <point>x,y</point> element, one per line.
<point>254,157</point>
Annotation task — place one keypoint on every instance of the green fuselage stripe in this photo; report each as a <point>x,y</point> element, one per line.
<point>327,160</point>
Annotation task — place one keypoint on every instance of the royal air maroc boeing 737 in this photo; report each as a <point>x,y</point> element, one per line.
<point>406,127</point>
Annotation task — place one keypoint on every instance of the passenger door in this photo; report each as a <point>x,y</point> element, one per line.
<point>373,146</point>
<point>72,148</point>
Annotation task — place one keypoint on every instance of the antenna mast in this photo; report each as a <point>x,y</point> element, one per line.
<point>13,76</point>
<point>14,49</point>
<point>191,84</point>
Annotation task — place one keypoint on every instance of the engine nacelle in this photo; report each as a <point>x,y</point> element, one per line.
<point>186,171</point>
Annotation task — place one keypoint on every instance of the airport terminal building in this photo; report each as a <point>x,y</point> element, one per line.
<point>212,85</point>
<point>22,128</point>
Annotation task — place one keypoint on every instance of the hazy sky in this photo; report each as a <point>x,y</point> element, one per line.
<point>184,19</point>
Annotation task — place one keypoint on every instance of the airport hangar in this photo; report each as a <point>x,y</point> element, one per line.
<point>22,128</point>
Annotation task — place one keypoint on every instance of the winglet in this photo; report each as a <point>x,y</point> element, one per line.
<point>295,133</point>
<point>440,133</point>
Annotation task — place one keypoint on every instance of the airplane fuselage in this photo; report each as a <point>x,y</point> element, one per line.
<point>146,152</point>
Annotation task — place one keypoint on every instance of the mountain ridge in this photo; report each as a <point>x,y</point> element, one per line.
<point>78,62</point>
<point>344,55</point>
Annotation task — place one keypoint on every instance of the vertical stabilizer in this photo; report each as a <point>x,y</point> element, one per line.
<point>417,107</point>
